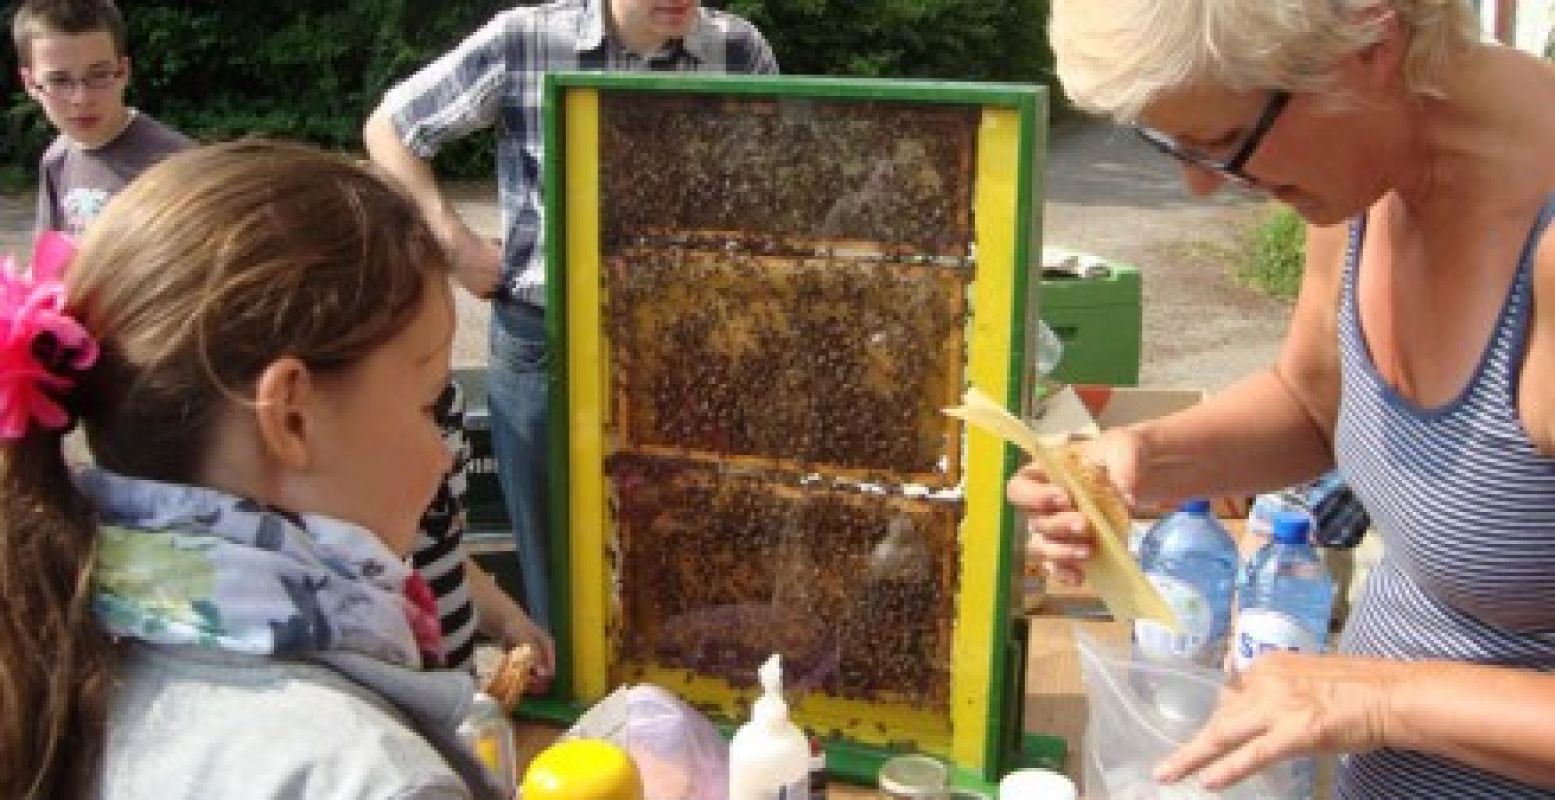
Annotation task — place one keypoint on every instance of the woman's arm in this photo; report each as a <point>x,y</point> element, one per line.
<point>1270,430</point>
<point>1273,428</point>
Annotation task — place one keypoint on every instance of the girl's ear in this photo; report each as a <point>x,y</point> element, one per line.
<point>284,399</point>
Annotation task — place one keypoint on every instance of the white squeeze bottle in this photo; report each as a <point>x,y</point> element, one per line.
<point>769,757</point>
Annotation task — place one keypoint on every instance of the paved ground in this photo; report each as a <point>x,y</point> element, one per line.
<point>1107,194</point>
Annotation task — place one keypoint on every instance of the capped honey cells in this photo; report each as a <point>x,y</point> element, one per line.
<point>719,569</point>
<point>784,287</point>
<point>892,176</point>
<point>828,364</point>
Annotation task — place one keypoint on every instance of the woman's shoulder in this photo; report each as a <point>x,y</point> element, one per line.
<point>200,725</point>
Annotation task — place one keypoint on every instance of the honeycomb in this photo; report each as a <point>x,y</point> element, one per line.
<point>719,568</point>
<point>785,289</point>
<point>772,174</point>
<point>841,366</point>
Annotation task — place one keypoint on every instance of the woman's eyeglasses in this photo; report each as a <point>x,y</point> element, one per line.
<point>1229,167</point>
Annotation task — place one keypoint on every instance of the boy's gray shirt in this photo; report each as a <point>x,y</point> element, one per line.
<point>191,723</point>
<point>75,182</point>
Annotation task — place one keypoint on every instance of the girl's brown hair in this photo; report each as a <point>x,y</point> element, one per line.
<point>206,269</point>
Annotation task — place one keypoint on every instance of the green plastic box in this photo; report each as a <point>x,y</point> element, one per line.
<point>1098,320</point>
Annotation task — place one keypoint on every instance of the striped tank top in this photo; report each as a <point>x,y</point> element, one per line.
<point>1465,505</point>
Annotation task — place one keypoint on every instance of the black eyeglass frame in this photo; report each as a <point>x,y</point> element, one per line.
<point>1231,167</point>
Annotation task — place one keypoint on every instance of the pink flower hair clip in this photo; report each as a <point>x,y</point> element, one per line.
<point>41,347</point>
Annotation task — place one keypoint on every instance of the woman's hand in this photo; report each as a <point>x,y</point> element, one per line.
<point>1289,705</point>
<point>1058,535</point>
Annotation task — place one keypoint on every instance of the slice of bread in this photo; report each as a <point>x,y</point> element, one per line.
<point>511,678</point>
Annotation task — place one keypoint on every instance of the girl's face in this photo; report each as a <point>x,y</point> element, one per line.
<point>380,456</point>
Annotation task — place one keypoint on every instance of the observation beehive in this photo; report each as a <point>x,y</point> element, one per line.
<point>764,290</point>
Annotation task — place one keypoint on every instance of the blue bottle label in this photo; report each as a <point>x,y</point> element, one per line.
<point>1261,630</point>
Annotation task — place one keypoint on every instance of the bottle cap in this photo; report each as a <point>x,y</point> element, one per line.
<point>1291,527</point>
<point>770,709</point>
<point>582,769</point>
<point>1197,505</point>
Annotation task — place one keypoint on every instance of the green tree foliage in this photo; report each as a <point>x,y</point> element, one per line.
<point>983,40</point>
<point>313,69</point>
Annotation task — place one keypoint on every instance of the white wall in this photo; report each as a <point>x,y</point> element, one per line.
<point>1534,19</point>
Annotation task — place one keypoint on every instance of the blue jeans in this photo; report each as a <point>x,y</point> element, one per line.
<point>517,387</point>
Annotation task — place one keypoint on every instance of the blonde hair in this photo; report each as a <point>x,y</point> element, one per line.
<point>1117,57</point>
<point>206,269</point>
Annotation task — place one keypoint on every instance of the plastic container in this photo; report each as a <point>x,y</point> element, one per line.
<point>488,734</point>
<point>1037,784</point>
<point>769,757</point>
<point>582,769</point>
<point>1127,735</point>
<point>913,777</point>
<point>1192,560</point>
<point>1285,604</point>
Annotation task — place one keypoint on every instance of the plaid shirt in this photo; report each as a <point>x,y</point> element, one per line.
<point>495,77</point>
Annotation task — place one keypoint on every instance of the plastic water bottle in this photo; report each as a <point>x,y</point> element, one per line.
<point>1260,517</point>
<point>1285,604</point>
<point>1192,561</point>
<point>1288,596</point>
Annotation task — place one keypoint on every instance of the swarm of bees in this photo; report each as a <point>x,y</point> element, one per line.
<point>835,365</point>
<point>719,568</point>
<point>888,175</point>
<point>786,290</point>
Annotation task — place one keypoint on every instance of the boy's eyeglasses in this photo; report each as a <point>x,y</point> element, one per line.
<point>60,85</point>
<point>1230,167</point>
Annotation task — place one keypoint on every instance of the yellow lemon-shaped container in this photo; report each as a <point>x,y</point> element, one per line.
<point>582,769</point>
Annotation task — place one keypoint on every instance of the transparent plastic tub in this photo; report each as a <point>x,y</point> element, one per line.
<point>1140,712</point>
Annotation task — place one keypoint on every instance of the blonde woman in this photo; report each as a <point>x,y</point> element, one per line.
<point>1419,360</point>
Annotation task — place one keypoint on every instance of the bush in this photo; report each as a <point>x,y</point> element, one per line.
<point>978,40</point>
<point>313,69</point>
<point>1276,253</point>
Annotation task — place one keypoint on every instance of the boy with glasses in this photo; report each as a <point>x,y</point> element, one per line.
<point>73,60</point>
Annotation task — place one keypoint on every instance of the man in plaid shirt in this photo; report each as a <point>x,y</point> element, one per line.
<point>494,78</point>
